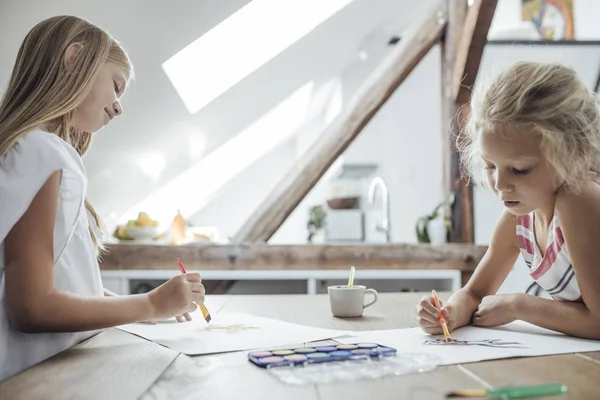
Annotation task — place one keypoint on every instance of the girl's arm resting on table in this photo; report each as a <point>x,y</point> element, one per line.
<point>32,303</point>
<point>491,271</point>
<point>570,318</point>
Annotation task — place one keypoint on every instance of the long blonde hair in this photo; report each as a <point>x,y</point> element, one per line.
<point>544,99</point>
<point>44,91</point>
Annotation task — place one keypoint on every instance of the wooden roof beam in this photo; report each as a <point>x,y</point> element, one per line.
<point>470,49</point>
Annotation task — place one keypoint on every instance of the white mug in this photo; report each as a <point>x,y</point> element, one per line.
<point>349,302</point>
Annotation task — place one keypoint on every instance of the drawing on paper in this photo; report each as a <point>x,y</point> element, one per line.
<point>486,342</point>
<point>233,328</point>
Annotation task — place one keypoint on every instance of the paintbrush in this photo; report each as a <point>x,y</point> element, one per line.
<point>515,392</point>
<point>351,279</point>
<point>441,317</point>
<point>203,308</point>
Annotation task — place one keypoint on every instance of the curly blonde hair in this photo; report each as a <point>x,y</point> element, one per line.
<point>543,99</point>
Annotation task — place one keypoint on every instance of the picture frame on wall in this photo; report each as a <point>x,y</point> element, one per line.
<point>553,19</point>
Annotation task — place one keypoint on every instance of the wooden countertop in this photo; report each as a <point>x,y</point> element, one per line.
<point>464,257</point>
<point>115,364</point>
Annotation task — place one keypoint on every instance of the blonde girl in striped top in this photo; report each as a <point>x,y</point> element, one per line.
<point>533,136</point>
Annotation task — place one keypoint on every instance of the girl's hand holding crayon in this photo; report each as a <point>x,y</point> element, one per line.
<point>177,297</point>
<point>428,316</point>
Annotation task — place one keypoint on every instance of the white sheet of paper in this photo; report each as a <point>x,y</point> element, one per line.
<point>228,332</point>
<point>536,342</point>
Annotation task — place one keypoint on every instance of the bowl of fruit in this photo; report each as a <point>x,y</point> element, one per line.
<point>142,228</point>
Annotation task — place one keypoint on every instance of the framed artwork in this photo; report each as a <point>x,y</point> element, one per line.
<point>553,19</point>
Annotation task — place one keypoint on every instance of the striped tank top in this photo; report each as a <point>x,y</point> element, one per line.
<point>553,271</point>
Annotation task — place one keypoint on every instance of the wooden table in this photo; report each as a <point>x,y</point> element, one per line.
<point>117,365</point>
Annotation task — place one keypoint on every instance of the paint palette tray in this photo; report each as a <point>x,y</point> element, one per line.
<point>320,354</point>
<point>340,362</point>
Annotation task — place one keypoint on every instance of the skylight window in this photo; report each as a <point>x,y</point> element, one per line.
<point>241,44</point>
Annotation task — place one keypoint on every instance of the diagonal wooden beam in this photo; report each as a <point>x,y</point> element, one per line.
<point>369,98</point>
<point>470,49</point>
<point>461,212</point>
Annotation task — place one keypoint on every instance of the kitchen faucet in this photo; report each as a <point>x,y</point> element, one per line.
<point>384,226</point>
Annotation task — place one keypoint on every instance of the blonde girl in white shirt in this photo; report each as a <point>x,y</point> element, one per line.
<point>66,84</point>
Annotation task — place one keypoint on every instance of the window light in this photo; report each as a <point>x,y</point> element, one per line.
<point>241,44</point>
<point>191,190</point>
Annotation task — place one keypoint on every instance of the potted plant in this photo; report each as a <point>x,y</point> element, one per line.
<point>316,221</point>
<point>434,220</point>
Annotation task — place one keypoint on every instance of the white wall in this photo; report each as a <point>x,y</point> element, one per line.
<point>404,138</point>
<point>224,210</point>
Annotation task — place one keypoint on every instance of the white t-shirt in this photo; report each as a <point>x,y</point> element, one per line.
<point>23,171</point>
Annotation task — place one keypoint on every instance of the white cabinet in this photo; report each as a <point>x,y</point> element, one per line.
<point>311,281</point>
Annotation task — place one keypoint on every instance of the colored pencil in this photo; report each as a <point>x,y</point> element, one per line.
<point>441,317</point>
<point>515,392</point>
<point>351,279</point>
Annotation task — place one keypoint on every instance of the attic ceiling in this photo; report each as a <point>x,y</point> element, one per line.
<point>157,138</point>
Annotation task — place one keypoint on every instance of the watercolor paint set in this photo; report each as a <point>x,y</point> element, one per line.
<point>320,354</point>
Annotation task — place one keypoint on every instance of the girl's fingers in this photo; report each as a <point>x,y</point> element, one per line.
<point>197,288</point>
<point>425,316</point>
<point>197,298</point>
<point>427,305</point>
<point>426,324</point>
<point>193,277</point>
